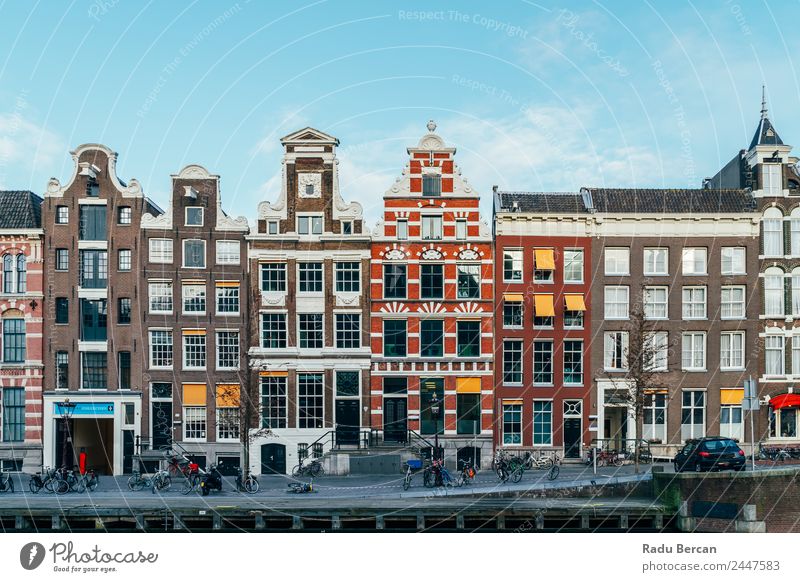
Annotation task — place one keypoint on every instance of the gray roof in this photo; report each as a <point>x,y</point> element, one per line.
<point>20,209</point>
<point>672,201</point>
<point>765,134</point>
<point>541,202</point>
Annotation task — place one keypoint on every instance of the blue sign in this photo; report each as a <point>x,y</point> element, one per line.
<point>86,409</point>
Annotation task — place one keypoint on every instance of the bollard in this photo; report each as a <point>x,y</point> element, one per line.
<point>379,522</point>
<point>297,523</point>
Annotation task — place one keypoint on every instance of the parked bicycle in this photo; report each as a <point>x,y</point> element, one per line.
<point>774,453</point>
<point>412,466</point>
<point>49,480</point>
<point>437,475</point>
<point>6,482</point>
<point>313,468</point>
<point>161,481</point>
<point>466,475</point>
<point>137,481</point>
<point>247,483</point>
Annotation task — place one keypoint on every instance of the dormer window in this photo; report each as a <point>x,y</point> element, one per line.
<point>307,225</point>
<point>431,185</point>
<point>194,216</point>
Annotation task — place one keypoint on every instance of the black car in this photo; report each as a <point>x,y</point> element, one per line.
<point>710,454</point>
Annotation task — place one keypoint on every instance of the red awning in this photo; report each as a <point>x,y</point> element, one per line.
<point>784,401</point>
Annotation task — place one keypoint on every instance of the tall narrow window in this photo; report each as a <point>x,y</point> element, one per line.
<point>431,282</point>
<point>431,338</point>
<point>395,338</point>
<point>13,341</point>
<point>573,266</point>
<point>543,362</point>
<point>402,229</point>
<point>512,361</point>
<point>773,292</point>
<point>22,279</point>
<point>13,414</point>
<point>124,370</point>
<point>772,232</point>
<point>693,414</point>
<point>394,281</point>
<point>573,362</point>
<point>8,273</point>
<point>774,363</point>
<point>512,265</point>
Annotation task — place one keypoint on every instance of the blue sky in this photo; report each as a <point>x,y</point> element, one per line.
<point>536,95</point>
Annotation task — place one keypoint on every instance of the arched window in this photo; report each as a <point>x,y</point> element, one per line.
<point>8,274</point>
<point>772,226</point>
<point>794,231</point>
<point>796,296</point>
<point>773,292</point>
<point>22,278</point>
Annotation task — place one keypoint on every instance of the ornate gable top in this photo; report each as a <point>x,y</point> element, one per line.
<point>309,135</point>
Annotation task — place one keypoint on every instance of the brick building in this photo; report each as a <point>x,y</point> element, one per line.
<point>432,307</point>
<point>687,261</point>
<point>194,314</point>
<point>543,322</point>
<point>769,169</point>
<point>309,351</point>
<point>21,309</point>
<point>93,349</point>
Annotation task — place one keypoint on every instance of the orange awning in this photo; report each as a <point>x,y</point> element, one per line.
<point>468,385</point>
<point>731,396</point>
<point>276,374</point>
<point>575,302</point>
<point>512,296</point>
<point>194,332</point>
<point>228,395</point>
<point>543,305</point>
<point>227,283</point>
<point>545,259</point>
<point>194,394</point>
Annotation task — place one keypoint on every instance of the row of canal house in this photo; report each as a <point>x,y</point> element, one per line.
<point>186,325</point>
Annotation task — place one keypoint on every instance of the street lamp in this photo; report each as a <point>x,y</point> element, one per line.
<point>66,409</point>
<point>435,410</point>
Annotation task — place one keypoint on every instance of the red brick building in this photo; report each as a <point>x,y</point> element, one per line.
<point>542,322</point>
<point>21,368</point>
<point>432,301</point>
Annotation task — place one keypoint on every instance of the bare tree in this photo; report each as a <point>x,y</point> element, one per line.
<point>643,359</point>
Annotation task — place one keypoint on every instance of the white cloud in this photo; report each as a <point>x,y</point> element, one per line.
<point>26,149</point>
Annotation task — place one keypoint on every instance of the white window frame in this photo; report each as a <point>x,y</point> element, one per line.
<point>607,306</point>
<point>461,229</point>
<point>226,257</point>
<point>163,256</point>
<point>434,223</point>
<point>234,334</point>
<point>772,179</point>
<point>313,219</point>
<point>201,421</point>
<point>217,289</point>
<point>731,357</point>
<point>615,350</point>
<point>187,348</point>
<point>779,342</point>
<point>578,253</point>
<point>187,287</point>
<point>693,341</point>
<point>774,284</point>
<point>737,259</point>
<point>302,330</point>
<point>401,233</point>
<point>650,269</point>
<point>690,433</point>
<point>735,309</point>
<point>186,216</point>
<point>205,256</point>
<point>656,310</point>
<point>169,287</point>
<point>661,356</point>
<point>322,279</point>
<point>627,261</point>
<point>690,302</point>
<point>517,259</point>
<point>690,258</point>
<point>168,334</point>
